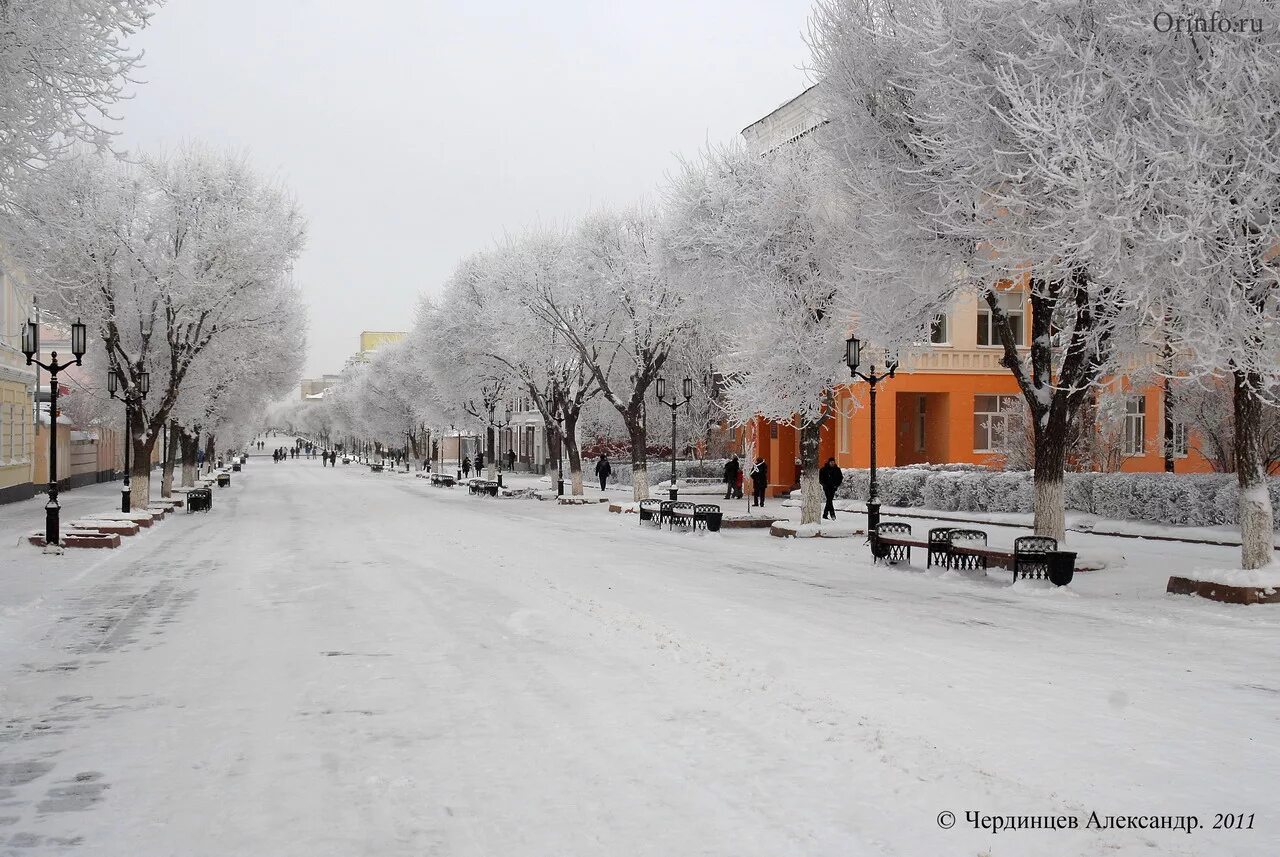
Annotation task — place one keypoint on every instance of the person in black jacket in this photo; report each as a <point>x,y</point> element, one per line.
<point>603,470</point>
<point>731,470</point>
<point>830,478</point>
<point>759,481</point>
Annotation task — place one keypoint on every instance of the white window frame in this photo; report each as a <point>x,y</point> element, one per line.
<point>997,423</point>
<point>940,322</point>
<point>844,425</point>
<point>1181,439</point>
<point>1013,303</point>
<point>1135,425</point>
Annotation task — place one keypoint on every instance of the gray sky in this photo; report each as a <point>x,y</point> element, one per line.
<point>414,132</point>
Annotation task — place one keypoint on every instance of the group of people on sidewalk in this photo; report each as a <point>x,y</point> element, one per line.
<point>830,477</point>
<point>735,479</point>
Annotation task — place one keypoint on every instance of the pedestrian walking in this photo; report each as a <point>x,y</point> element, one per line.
<point>511,459</point>
<point>466,466</point>
<point>604,470</point>
<point>759,481</point>
<point>732,470</point>
<point>830,477</point>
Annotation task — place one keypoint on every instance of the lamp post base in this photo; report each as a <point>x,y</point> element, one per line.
<point>125,498</point>
<point>873,515</point>
<point>560,487</point>
<point>499,480</point>
<point>53,549</point>
<point>673,494</point>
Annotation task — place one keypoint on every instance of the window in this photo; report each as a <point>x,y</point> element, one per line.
<point>941,331</point>
<point>1179,439</point>
<point>842,425</point>
<point>995,420</point>
<point>920,418</point>
<point>1135,425</point>
<point>1012,304</point>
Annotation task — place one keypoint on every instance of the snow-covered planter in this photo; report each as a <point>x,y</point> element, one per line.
<point>1233,585</point>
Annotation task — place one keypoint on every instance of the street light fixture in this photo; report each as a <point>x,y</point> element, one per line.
<point>853,356</point>
<point>115,380</point>
<point>686,388</point>
<point>31,347</point>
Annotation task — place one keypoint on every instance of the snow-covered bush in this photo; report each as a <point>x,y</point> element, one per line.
<point>1185,500</point>
<point>706,469</point>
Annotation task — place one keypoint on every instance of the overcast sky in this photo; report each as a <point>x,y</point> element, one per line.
<point>414,132</point>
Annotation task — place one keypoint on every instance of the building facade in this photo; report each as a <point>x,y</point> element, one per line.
<point>951,401</point>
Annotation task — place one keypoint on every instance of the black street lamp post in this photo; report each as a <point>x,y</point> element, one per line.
<point>128,397</point>
<point>31,347</point>
<point>559,455</point>
<point>498,426</point>
<point>686,387</point>
<point>853,354</point>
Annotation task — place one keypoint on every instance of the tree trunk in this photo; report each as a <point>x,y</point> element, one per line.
<point>639,457</point>
<point>190,448</point>
<point>140,471</point>
<point>1050,499</point>
<point>210,447</point>
<point>1167,409</point>
<point>166,480</point>
<point>574,453</point>
<point>1256,548</point>
<point>812,499</point>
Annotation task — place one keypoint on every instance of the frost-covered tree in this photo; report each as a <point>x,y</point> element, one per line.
<point>1206,246</point>
<point>770,230</point>
<point>963,130</point>
<point>63,66</point>
<point>163,260</point>
<point>622,310</point>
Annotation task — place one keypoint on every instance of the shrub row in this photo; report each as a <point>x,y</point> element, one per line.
<point>1163,498</point>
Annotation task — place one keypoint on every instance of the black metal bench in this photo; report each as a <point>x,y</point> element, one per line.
<point>889,542</point>
<point>664,510</point>
<point>649,510</point>
<point>1032,555</point>
<point>939,547</point>
<point>199,500</point>
<point>709,515</point>
<point>960,559</point>
<point>682,512</point>
<point>442,480</point>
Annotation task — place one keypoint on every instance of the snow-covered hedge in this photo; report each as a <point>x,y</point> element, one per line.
<point>711,468</point>
<point>1163,498</point>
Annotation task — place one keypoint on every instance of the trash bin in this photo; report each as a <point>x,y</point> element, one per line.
<point>236,466</point>
<point>713,521</point>
<point>224,479</point>
<point>1062,567</point>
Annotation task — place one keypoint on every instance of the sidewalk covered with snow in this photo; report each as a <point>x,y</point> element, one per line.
<point>338,662</point>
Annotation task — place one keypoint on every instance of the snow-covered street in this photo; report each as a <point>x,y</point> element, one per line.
<point>336,662</point>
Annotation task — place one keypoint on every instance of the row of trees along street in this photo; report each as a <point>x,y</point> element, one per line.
<point>179,264</point>
<point>1122,177</point>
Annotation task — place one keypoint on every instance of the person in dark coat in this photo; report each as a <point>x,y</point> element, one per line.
<point>479,462</point>
<point>731,470</point>
<point>830,478</point>
<point>759,481</point>
<point>511,459</point>
<point>603,470</point>
<point>466,466</point>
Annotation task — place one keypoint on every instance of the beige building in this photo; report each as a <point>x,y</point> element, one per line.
<point>17,380</point>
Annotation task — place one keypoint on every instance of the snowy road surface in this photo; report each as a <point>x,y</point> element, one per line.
<point>334,662</point>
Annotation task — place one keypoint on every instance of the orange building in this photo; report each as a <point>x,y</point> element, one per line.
<point>954,403</point>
